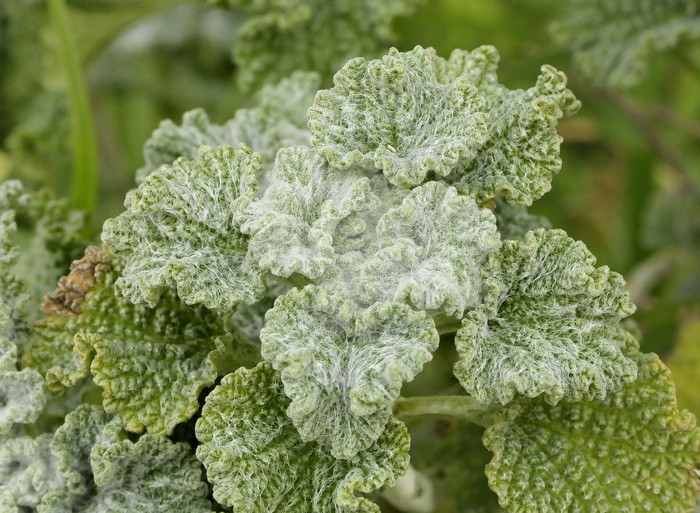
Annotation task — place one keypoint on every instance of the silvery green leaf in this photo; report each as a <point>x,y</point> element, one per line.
<point>178,230</point>
<point>393,115</point>
<point>291,226</point>
<point>257,462</point>
<point>342,368</point>
<point>550,325</point>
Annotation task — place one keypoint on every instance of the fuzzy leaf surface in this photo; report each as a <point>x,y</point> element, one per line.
<point>178,230</point>
<point>520,154</point>
<point>257,463</point>
<point>291,226</point>
<point>392,114</point>
<point>435,244</point>
<point>632,452</point>
<point>612,42</point>
<point>550,325</point>
<point>341,368</point>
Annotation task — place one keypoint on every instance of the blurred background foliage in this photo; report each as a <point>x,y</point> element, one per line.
<point>631,157</point>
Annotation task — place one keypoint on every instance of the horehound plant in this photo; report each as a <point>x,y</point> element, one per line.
<point>253,315</point>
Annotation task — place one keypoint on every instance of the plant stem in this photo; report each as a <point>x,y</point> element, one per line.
<point>446,324</point>
<point>83,192</point>
<point>412,492</point>
<point>460,406</point>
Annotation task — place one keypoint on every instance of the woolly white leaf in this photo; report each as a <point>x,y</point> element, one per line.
<point>343,368</point>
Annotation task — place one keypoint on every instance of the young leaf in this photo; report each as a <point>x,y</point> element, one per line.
<point>549,326</point>
<point>631,452</point>
<point>341,368</point>
<point>393,115</point>
<point>179,230</point>
<point>257,463</point>
<point>291,226</point>
<point>520,154</point>
<point>435,244</point>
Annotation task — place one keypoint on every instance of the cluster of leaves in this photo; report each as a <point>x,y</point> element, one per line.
<point>395,222</point>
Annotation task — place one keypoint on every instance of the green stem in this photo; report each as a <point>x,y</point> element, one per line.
<point>83,192</point>
<point>295,280</point>
<point>463,407</point>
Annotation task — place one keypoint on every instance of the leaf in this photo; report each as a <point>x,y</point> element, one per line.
<point>291,226</point>
<point>520,151</point>
<point>342,368</point>
<point>612,42</point>
<point>393,115</point>
<point>257,463</point>
<point>550,325</point>
<point>278,121</point>
<point>631,452</point>
<point>21,392</point>
<point>178,230</point>
<point>310,35</point>
<point>434,246</point>
<point>151,363</point>
<point>685,365</point>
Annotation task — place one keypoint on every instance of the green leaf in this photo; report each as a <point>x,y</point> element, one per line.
<point>550,325</point>
<point>684,362</point>
<point>21,392</point>
<point>434,246</point>
<point>393,115</point>
<point>313,35</point>
<point>257,463</point>
<point>179,230</point>
<point>291,227</point>
<point>278,121</point>
<point>634,451</point>
<point>343,368</point>
<point>520,154</point>
<point>151,363</point>
<point>612,42</point>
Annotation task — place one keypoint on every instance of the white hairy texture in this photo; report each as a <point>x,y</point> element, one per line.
<point>179,230</point>
<point>549,326</point>
<point>21,392</point>
<point>257,462</point>
<point>291,226</point>
<point>393,115</point>
<point>433,247</point>
<point>343,368</point>
<point>520,154</point>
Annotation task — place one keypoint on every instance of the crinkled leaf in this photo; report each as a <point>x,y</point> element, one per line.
<point>393,115</point>
<point>550,325</point>
<point>151,363</point>
<point>291,226</point>
<point>520,154</point>
<point>249,319</point>
<point>153,475</point>
<point>151,386</point>
<point>279,120</point>
<point>179,230</point>
<point>612,41</point>
<point>634,451</point>
<point>342,369</point>
<point>21,392</point>
<point>311,35</point>
<point>257,463</point>
<point>27,472</point>
<point>435,244</point>
<point>514,221</point>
